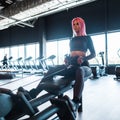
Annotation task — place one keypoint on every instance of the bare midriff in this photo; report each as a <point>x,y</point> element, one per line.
<point>77,53</point>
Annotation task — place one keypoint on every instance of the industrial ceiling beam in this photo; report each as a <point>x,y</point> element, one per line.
<point>16,21</point>
<point>20,6</point>
<point>23,11</point>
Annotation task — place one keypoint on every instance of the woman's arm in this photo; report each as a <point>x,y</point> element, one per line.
<point>91,49</point>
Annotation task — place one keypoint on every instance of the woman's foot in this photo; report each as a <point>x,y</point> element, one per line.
<point>28,94</point>
<point>73,105</point>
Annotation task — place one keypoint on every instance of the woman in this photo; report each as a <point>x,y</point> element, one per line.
<point>78,67</point>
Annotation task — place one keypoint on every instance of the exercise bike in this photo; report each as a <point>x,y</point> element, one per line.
<point>99,69</point>
<point>102,66</point>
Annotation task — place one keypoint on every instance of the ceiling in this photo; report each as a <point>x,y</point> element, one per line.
<point>25,12</point>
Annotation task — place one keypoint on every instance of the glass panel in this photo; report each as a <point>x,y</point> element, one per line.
<point>37,50</point>
<point>32,50</point>
<point>14,52</point>
<point>2,53</point>
<point>21,51</point>
<point>63,48</point>
<point>37,54</point>
<point>14,55</point>
<point>113,47</point>
<point>99,44</point>
<point>51,49</point>
<point>1,56</point>
<point>58,48</point>
<point>6,51</point>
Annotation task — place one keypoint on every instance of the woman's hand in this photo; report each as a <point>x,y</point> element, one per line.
<point>67,59</point>
<point>80,60</point>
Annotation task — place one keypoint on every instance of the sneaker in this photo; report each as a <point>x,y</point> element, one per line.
<point>25,92</point>
<point>74,106</point>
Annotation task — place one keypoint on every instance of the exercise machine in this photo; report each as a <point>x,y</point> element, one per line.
<point>117,68</point>
<point>99,69</point>
<point>102,65</point>
<point>47,63</point>
<point>7,72</point>
<point>17,105</point>
<point>20,104</point>
<point>22,107</point>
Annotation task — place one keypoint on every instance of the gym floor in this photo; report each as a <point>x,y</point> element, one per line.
<point>101,99</point>
<point>101,96</point>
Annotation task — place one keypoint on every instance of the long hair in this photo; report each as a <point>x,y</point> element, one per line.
<point>83,26</point>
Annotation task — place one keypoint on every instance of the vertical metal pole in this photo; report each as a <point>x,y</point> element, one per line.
<point>106,31</point>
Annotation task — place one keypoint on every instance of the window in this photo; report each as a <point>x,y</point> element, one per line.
<point>14,52</point>
<point>37,50</point>
<point>1,56</point>
<point>21,51</point>
<point>113,47</point>
<point>59,49</point>
<point>99,44</point>
<point>63,48</point>
<point>32,50</point>
<point>51,49</point>
<point>6,51</point>
<point>2,53</point>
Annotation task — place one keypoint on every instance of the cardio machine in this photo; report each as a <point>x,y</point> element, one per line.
<point>102,66</point>
<point>99,70</point>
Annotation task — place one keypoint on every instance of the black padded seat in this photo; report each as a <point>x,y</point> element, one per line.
<point>57,85</point>
<point>7,75</point>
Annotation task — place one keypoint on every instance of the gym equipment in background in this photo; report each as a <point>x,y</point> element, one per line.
<point>99,69</point>
<point>117,68</point>
<point>95,72</point>
<point>102,65</point>
<point>6,72</point>
<point>48,62</point>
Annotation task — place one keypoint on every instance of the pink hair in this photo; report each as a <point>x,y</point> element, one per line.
<point>83,27</point>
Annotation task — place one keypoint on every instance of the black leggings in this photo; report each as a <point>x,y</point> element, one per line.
<point>77,73</point>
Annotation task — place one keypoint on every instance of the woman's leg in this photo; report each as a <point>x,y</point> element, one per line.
<point>82,74</point>
<point>58,70</point>
<point>68,73</point>
<point>79,85</point>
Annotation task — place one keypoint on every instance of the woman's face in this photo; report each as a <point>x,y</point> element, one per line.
<point>76,26</point>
